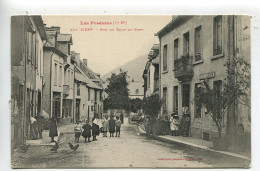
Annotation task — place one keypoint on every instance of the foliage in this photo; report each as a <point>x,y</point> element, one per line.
<point>239,69</point>
<point>136,104</point>
<point>236,89</point>
<point>152,105</point>
<point>117,91</point>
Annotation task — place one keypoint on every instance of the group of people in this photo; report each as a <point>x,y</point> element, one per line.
<point>180,127</point>
<point>107,125</point>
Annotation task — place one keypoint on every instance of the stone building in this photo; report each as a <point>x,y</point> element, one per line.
<point>88,91</point>
<point>58,82</point>
<point>151,72</point>
<point>194,49</point>
<point>27,39</point>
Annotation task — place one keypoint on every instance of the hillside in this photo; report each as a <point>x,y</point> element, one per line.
<point>135,69</point>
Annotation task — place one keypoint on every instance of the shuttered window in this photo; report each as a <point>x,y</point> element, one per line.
<point>217,37</point>
<point>165,58</point>
<point>198,55</point>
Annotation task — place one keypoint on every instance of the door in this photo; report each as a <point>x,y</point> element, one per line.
<point>186,95</point>
<point>88,112</point>
<point>77,110</point>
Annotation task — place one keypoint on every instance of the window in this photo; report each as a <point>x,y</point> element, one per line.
<point>164,57</point>
<point>186,44</point>
<point>65,77</point>
<point>78,89</point>
<point>217,87</point>
<point>197,43</point>
<point>217,37</point>
<point>36,54</point>
<point>60,76</point>
<point>165,100</point>
<point>72,79</point>
<point>33,49</point>
<point>176,48</point>
<point>175,98</point>
<point>88,94</point>
<point>55,73</point>
<point>197,106</point>
<point>69,78</point>
<point>95,95</point>
<point>100,95</point>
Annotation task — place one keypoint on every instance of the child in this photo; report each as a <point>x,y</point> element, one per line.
<point>87,131</point>
<point>77,130</point>
<point>118,126</point>
<point>112,126</point>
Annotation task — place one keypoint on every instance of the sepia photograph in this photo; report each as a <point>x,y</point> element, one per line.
<point>130,91</point>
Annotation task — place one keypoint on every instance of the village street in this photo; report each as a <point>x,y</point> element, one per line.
<point>130,150</point>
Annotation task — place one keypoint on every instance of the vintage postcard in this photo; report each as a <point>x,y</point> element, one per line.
<point>130,91</point>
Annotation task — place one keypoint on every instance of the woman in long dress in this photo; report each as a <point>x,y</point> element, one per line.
<point>53,129</point>
<point>95,127</point>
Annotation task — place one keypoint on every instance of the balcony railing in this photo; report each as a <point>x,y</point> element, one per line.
<point>66,90</point>
<point>183,68</point>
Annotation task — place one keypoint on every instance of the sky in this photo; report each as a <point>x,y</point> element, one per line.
<point>107,49</point>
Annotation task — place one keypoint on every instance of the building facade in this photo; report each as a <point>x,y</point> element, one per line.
<point>151,72</point>
<point>58,76</point>
<point>88,91</point>
<point>27,39</point>
<point>194,49</point>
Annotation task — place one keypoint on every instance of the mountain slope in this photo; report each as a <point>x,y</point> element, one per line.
<point>135,69</point>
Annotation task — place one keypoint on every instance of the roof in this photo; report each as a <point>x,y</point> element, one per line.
<point>155,47</point>
<point>156,60</point>
<point>64,38</point>
<point>87,70</point>
<point>54,49</point>
<point>150,53</point>
<point>176,22</point>
<point>80,76</point>
<point>40,26</point>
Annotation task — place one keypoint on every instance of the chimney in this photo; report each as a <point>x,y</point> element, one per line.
<point>85,61</point>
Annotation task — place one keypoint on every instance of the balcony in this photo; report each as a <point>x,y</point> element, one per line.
<point>66,90</point>
<point>183,68</point>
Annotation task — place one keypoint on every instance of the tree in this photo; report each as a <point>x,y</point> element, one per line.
<point>152,105</point>
<point>117,91</point>
<point>136,104</point>
<point>235,90</point>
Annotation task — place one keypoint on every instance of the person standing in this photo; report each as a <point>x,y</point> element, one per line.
<point>174,124</point>
<point>87,131</point>
<point>122,118</point>
<point>112,126</point>
<point>34,128</point>
<point>95,127</point>
<point>40,125</point>
<point>105,126</point>
<point>53,128</point>
<point>186,125</point>
<point>77,131</point>
<point>118,126</point>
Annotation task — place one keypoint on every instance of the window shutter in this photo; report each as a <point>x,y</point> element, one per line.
<point>36,53</point>
<point>29,46</point>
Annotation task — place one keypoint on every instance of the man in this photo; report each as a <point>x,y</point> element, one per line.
<point>122,118</point>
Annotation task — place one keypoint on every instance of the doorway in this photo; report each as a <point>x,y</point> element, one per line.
<point>186,95</point>
<point>77,110</point>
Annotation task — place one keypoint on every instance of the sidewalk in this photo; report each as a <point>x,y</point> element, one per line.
<point>193,142</point>
<point>46,140</point>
